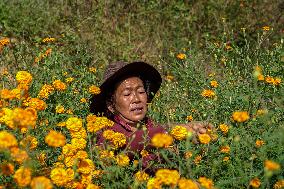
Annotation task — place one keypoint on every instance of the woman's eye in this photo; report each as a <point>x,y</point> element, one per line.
<point>126,94</point>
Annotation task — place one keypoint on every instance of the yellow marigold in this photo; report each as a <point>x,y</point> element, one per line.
<point>7,140</point>
<point>82,154</point>
<point>70,161</point>
<point>225,149</point>
<point>94,90</point>
<point>79,143</point>
<point>59,85</point>
<point>255,183</point>
<point>93,186</point>
<point>41,182</point>
<point>106,154</point>
<point>83,100</point>
<point>259,143</point>
<point>55,139</point>
<point>4,41</point>
<point>25,118</point>
<point>279,184</point>
<point>59,109</point>
<point>16,93</point>
<point>206,183</point>
<point>6,117</point>
<point>204,138</point>
<point>168,177</point>
<point>154,183</point>
<point>23,176</point>
<point>5,94</point>
<point>42,158</point>
<point>161,140</point>
<point>61,124</point>
<point>179,132</point>
<point>79,134</point>
<point>86,179</point>
<point>95,124</point>
<point>122,160</point>
<point>169,77</point>
<point>48,39</point>
<point>74,124</point>
<point>85,166</point>
<point>59,176</point>
<point>187,154</point>
<point>24,77</point>
<point>207,93</point>
<point>93,69</point>
<point>181,56</point>
<point>260,77</point>
<point>271,165</point>
<point>45,91</point>
<point>141,176</point>
<point>240,116</point>
<point>214,83</point>
<point>276,81</point>
<point>18,155</point>
<point>69,111</point>
<point>69,150</point>
<point>29,142</point>
<point>118,140</point>
<point>197,159</point>
<point>226,158</point>
<point>70,173</point>
<point>265,28</point>
<point>35,103</point>
<point>144,153</point>
<point>7,169</point>
<point>189,118</point>
<point>224,128</point>
<point>184,183</point>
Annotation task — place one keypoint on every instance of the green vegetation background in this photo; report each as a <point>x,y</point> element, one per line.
<point>93,33</point>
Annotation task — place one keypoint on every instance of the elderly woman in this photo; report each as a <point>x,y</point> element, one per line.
<point>125,93</point>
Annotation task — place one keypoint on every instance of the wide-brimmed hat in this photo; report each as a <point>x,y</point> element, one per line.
<point>116,72</point>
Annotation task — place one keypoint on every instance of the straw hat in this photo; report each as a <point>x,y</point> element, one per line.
<point>118,71</point>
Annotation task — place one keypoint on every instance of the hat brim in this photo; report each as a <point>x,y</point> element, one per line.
<point>145,71</point>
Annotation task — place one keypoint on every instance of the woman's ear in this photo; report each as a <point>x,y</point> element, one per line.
<point>110,106</point>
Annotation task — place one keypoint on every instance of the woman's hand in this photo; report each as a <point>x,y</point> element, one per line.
<point>198,127</point>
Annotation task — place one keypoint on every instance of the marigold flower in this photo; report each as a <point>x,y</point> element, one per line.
<point>184,183</point>
<point>94,90</point>
<point>55,139</point>
<point>168,177</point>
<point>25,118</point>
<point>5,94</point>
<point>82,154</point>
<point>69,150</point>
<point>181,56</point>
<point>35,103</point>
<point>240,116</point>
<point>187,154</point>
<point>48,39</point>
<point>224,128</point>
<point>85,166</point>
<point>197,159</point>
<point>271,165</point>
<point>74,124</point>
<point>59,109</point>
<point>79,143</point>
<point>144,153</point>
<point>61,124</point>
<point>169,77</point>
<point>23,176</point>
<point>79,134</point>
<point>206,183</point>
<point>207,93</point>
<point>260,77</point>
<point>261,112</point>
<point>83,100</point>
<point>141,176</point>
<point>122,160</point>
<point>161,140</point>
<point>276,81</point>
<point>95,124</point>
<point>19,155</point>
<point>29,142</point>
<point>7,140</point>
<point>7,169</point>
<point>189,118</point>
<point>265,28</point>
<point>259,143</point>
<point>45,91</point>
<point>24,77</point>
<point>179,132</point>
<point>59,176</point>
<point>106,154</point>
<point>69,79</point>
<point>225,149</point>
<point>59,85</point>
<point>41,182</point>
<point>255,183</point>
<point>279,184</point>
<point>204,138</point>
<point>93,69</point>
<point>226,158</point>
<point>154,183</point>
<point>93,186</point>
<point>214,83</point>
<point>4,41</point>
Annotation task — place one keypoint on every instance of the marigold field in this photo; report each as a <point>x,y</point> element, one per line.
<point>221,69</point>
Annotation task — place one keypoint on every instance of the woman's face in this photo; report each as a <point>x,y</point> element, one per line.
<point>130,100</point>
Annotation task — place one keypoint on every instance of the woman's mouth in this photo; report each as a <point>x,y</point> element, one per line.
<point>137,110</point>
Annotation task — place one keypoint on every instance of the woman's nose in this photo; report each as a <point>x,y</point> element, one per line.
<point>136,97</point>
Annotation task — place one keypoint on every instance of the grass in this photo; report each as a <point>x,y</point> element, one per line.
<point>218,46</point>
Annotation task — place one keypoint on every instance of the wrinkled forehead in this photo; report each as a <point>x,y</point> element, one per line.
<point>132,82</point>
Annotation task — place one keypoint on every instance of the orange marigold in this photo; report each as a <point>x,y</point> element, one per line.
<point>7,140</point>
<point>55,139</point>
<point>161,140</point>
<point>184,183</point>
<point>204,138</point>
<point>59,176</point>
<point>122,160</point>
<point>255,183</point>
<point>24,77</point>
<point>23,176</point>
<point>271,165</point>
<point>7,169</point>
<point>214,83</point>
<point>181,56</point>
<point>45,91</point>
<point>141,176</point>
<point>179,132</point>
<point>59,85</point>
<point>206,183</point>
<point>94,90</point>
<point>241,116</point>
<point>168,177</point>
<point>41,182</point>
<point>207,93</point>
